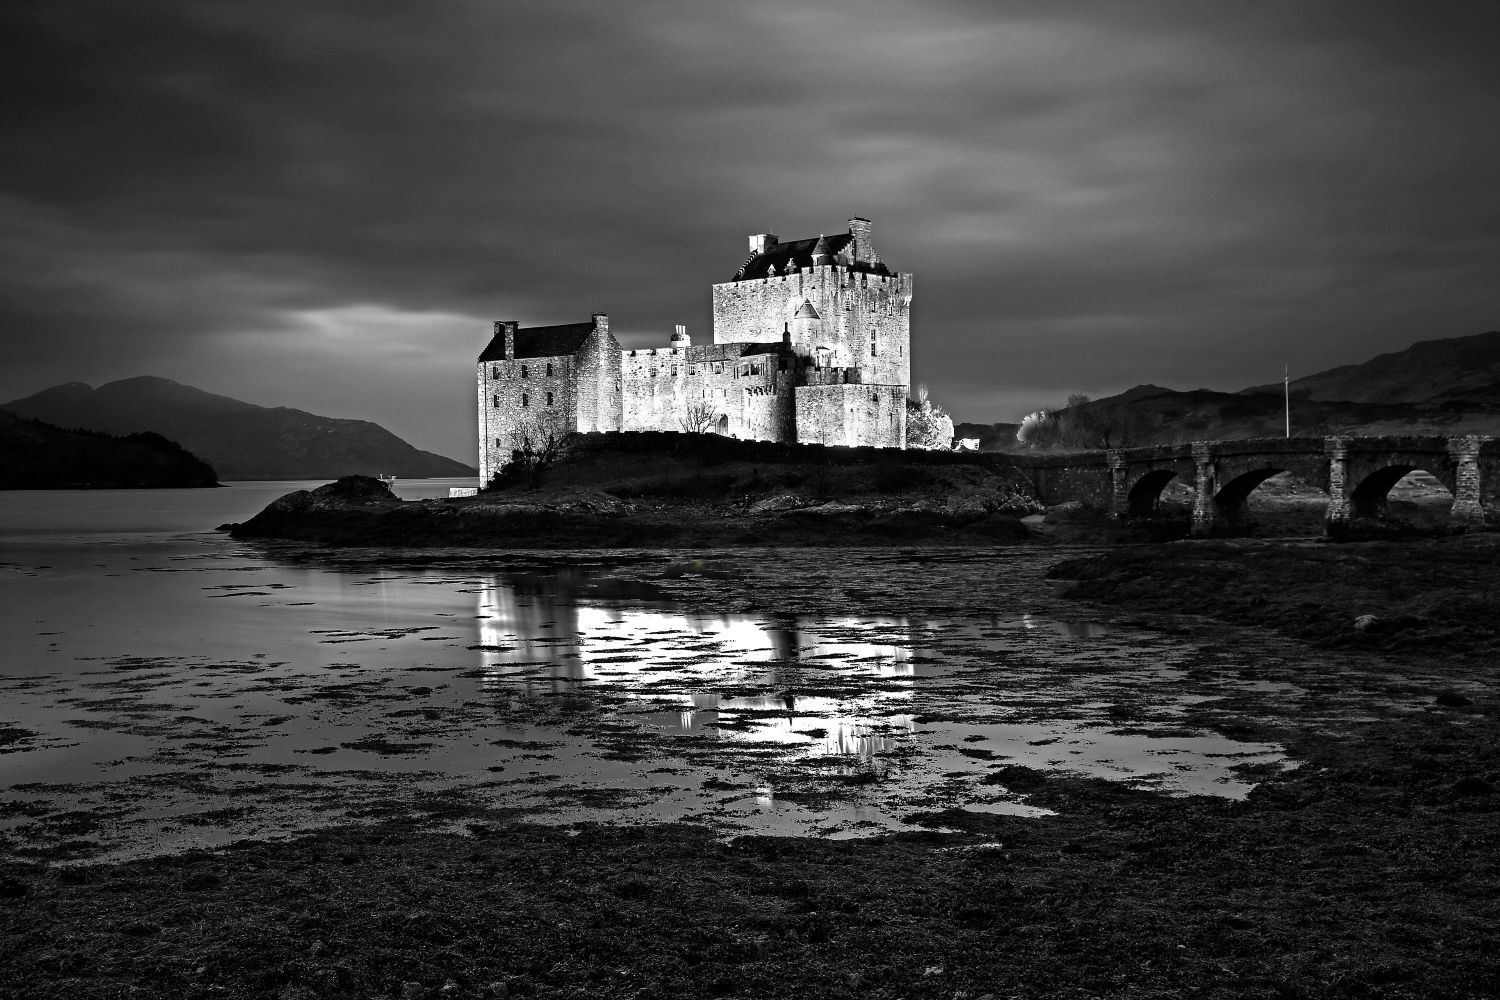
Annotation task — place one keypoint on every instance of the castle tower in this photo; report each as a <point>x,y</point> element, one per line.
<point>822,254</point>
<point>863,307</point>
<point>846,317</point>
<point>806,330</point>
<point>863,248</point>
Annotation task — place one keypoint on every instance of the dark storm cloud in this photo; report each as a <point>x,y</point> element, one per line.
<point>320,203</point>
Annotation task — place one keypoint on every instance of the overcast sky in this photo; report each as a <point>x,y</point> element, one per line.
<point>324,204</point>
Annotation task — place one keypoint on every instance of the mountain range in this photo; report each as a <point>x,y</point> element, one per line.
<point>1449,386</point>
<point>241,440</point>
<point>1453,373</point>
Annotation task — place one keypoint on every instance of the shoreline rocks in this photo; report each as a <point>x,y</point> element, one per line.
<point>362,511</point>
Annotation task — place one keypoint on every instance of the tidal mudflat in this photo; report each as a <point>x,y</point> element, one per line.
<point>191,691</point>
<point>1172,770</point>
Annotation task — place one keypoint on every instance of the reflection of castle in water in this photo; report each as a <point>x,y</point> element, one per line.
<point>544,636</point>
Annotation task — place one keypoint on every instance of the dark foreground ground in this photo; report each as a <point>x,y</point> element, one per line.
<point>1370,871</point>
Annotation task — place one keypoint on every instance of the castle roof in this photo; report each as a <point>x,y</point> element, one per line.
<point>741,349</point>
<point>806,311</point>
<point>800,254</point>
<point>540,342</point>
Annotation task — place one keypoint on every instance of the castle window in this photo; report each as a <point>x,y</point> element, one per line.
<point>872,343</point>
<point>497,402</point>
<point>495,372</point>
<point>497,442</point>
<point>549,399</point>
<point>874,397</point>
<point>549,369</point>
<point>524,372</point>
<point>525,399</point>
<point>674,371</point>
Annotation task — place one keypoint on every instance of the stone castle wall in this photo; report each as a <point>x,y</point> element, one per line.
<point>748,396</point>
<point>857,310</point>
<point>598,383</point>
<point>531,396</point>
<point>852,414</point>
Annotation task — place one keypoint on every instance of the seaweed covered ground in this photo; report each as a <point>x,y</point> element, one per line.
<point>1427,597</point>
<point>1372,869</point>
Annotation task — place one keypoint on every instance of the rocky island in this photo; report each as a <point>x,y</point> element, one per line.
<point>680,490</point>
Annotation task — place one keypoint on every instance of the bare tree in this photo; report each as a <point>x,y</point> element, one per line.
<point>699,418</point>
<point>1082,423</point>
<point>536,446</point>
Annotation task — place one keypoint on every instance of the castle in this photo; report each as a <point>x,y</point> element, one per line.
<point>811,344</point>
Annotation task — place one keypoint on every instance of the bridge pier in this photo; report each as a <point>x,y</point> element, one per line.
<point>1337,450</point>
<point>1205,483</point>
<point>1119,484</point>
<point>1468,497</point>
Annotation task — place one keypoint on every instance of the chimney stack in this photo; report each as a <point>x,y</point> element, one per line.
<point>509,329</point>
<point>762,243</point>
<point>601,323</point>
<point>864,251</point>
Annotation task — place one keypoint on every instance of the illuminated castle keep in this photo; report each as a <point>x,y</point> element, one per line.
<point>811,343</point>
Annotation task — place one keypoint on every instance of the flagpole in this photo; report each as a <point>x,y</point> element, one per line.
<point>1286,393</point>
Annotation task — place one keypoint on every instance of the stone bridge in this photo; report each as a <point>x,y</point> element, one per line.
<point>1356,472</point>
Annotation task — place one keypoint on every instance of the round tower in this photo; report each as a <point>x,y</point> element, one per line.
<point>806,328</point>
<point>821,253</point>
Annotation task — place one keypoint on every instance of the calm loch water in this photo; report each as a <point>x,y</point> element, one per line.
<point>164,686</point>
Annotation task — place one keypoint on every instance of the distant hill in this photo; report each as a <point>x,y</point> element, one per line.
<point>1449,386</point>
<point>1456,370</point>
<point>241,440</point>
<point>38,456</point>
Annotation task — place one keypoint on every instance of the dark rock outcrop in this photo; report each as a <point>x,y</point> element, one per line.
<point>39,456</point>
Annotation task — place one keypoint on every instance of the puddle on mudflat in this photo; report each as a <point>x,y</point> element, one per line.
<point>195,691</point>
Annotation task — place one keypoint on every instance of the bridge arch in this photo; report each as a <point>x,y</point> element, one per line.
<point>1357,474</point>
<point>1371,493</point>
<point>1235,494</point>
<point>1145,492</point>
